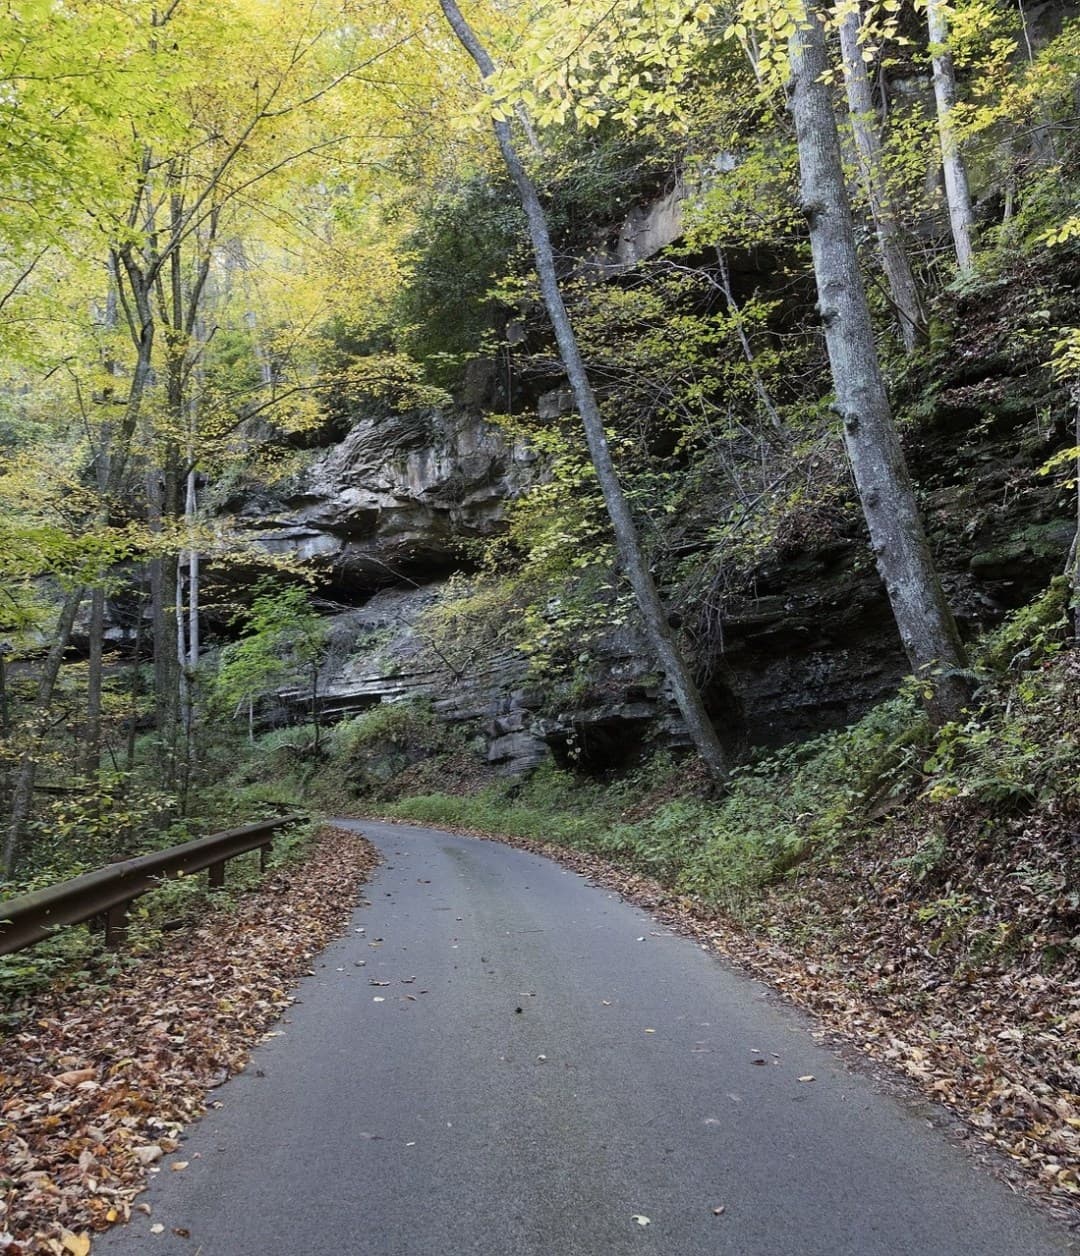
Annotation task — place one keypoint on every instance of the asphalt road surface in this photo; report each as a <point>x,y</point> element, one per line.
<point>544,1069</point>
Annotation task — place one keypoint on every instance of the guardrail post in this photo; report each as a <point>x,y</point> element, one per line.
<point>264,856</point>
<point>99,896</point>
<point>116,925</point>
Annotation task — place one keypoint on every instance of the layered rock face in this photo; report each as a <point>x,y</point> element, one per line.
<point>381,652</point>
<point>396,498</point>
<point>811,645</point>
<point>808,644</point>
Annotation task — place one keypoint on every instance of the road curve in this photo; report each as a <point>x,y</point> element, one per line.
<point>544,1069</point>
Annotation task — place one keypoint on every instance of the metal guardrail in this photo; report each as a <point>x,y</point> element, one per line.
<point>108,891</point>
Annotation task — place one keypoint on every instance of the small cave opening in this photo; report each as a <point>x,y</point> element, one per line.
<point>599,748</point>
<point>725,710</point>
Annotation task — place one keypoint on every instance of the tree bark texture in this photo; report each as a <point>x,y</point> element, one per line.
<point>628,545</point>
<point>927,629</point>
<point>903,290</point>
<point>957,193</point>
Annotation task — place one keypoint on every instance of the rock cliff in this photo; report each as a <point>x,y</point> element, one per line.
<point>808,641</point>
<point>395,499</point>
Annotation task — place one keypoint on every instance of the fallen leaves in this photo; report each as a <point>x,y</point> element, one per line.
<point>641,1219</point>
<point>95,1085</point>
<point>76,1077</point>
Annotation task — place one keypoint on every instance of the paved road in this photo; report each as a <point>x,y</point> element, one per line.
<point>545,1065</point>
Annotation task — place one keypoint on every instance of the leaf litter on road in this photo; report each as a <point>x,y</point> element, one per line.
<point>97,1083</point>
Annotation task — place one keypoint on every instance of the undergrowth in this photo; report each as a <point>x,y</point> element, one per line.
<point>812,806</point>
<point>77,956</point>
<point>777,810</point>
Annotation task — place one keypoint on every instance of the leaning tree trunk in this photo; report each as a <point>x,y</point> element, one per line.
<point>627,542</point>
<point>957,194</point>
<point>903,290</point>
<point>923,617</point>
<point>1072,563</point>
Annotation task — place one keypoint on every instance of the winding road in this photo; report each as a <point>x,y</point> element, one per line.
<point>501,1059</point>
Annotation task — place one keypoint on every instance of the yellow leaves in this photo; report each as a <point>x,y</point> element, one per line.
<point>75,1244</point>
<point>588,61</point>
<point>1062,233</point>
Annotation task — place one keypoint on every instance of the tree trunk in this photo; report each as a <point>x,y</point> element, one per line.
<point>187,644</point>
<point>923,617</point>
<point>91,758</point>
<point>957,194</point>
<point>183,691</point>
<point>1072,563</point>
<point>163,588</point>
<point>315,710</point>
<point>136,663</point>
<point>23,793</point>
<point>627,542</point>
<point>895,265</point>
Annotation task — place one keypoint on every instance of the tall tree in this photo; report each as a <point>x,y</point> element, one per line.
<point>628,544</point>
<point>957,193</point>
<point>903,290</point>
<point>922,614</point>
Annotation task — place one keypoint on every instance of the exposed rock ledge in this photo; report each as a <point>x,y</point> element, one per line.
<point>380,654</point>
<point>396,497</point>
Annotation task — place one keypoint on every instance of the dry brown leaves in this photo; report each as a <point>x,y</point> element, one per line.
<point>998,1046</point>
<point>95,1085</point>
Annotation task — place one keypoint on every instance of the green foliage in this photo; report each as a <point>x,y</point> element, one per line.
<point>389,723</point>
<point>72,955</point>
<point>104,817</point>
<point>284,641</point>
<point>1020,748</point>
<point>1029,635</point>
<point>467,237</point>
<point>791,803</point>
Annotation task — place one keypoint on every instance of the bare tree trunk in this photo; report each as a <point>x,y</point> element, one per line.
<point>1072,563</point>
<point>5,712</point>
<point>91,758</point>
<point>163,585</point>
<point>903,290</point>
<point>627,542</point>
<point>187,645</point>
<point>315,709</point>
<point>957,194</point>
<point>23,793</point>
<point>923,617</point>
<point>183,692</point>
<point>133,716</point>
